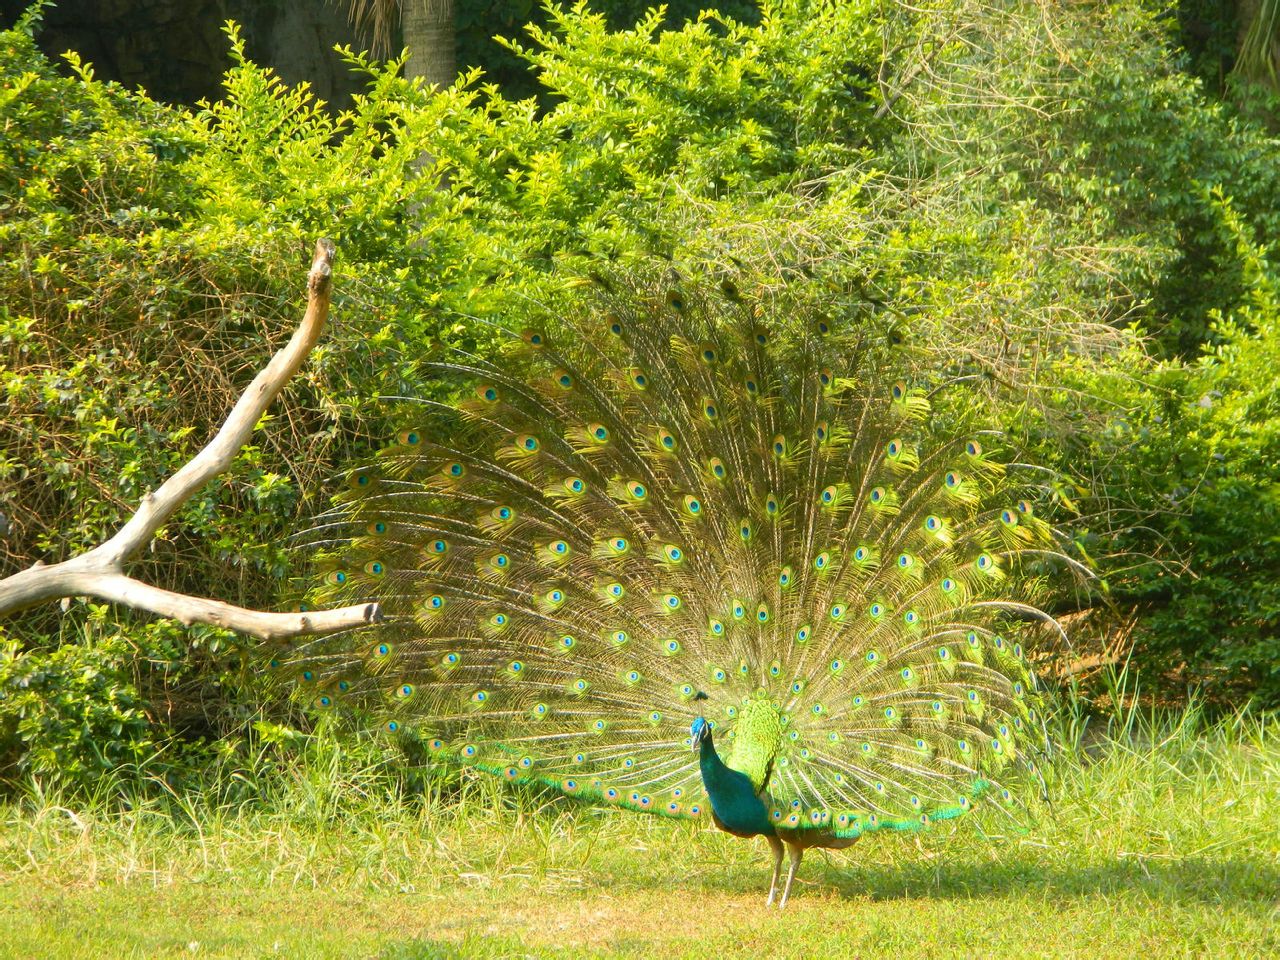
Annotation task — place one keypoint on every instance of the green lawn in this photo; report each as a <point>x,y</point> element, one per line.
<point>1169,849</point>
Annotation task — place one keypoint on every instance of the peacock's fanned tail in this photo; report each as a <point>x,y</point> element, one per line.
<point>678,493</point>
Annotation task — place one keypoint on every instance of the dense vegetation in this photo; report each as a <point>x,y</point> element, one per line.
<point>1045,198</point>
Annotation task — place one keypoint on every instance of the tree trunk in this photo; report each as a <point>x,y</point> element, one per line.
<point>430,36</point>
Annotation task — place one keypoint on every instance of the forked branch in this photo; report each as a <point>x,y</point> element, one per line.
<point>100,572</point>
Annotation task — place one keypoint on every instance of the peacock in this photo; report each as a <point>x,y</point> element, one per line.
<point>683,550</point>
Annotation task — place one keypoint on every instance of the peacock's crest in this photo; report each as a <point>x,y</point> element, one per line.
<point>683,503</point>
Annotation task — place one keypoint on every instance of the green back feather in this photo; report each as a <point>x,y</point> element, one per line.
<point>680,492</point>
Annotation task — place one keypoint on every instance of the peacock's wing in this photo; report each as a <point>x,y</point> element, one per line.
<point>679,501</point>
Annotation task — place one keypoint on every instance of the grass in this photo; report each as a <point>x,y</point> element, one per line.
<point>1162,842</point>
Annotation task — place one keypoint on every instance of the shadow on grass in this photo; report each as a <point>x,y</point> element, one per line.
<point>1193,880</point>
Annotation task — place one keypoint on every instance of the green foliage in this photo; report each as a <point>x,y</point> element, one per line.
<point>1194,448</point>
<point>481,26</point>
<point>1093,122</point>
<point>1006,189</point>
<point>73,714</point>
<point>152,257</point>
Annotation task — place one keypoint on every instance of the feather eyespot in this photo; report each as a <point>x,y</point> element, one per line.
<point>533,338</point>
<point>672,553</point>
<point>563,379</point>
<point>487,393</point>
<point>692,506</point>
<point>666,439</point>
<point>716,468</point>
<point>574,485</point>
<point>598,432</point>
<point>821,561</point>
<point>637,490</point>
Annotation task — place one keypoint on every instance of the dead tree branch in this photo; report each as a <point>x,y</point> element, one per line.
<point>100,572</point>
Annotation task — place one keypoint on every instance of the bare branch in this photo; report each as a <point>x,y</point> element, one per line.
<point>99,572</point>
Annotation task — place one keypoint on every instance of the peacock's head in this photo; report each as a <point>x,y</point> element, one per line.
<point>699,730</point>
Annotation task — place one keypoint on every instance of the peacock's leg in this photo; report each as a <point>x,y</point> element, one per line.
<point>776,846</point>
<point>797,852</point>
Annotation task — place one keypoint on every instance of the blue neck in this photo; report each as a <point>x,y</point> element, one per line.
<point>733,798</point>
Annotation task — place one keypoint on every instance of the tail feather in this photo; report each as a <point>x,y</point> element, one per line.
<point>669,503</point>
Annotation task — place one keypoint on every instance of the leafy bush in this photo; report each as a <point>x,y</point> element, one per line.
<point>1192,453</point>
<point>962,178</point>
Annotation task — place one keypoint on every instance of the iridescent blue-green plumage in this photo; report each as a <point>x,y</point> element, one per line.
<point>676,502</point>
